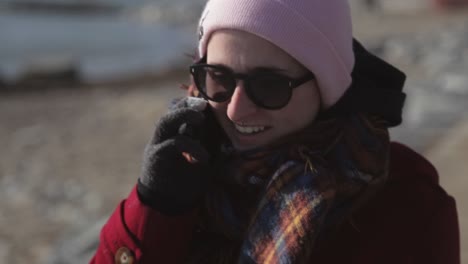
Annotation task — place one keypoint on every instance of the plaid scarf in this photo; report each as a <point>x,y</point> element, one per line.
<point>273,205</point>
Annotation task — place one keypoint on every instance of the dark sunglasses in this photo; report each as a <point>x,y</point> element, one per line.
<point>268,90</point>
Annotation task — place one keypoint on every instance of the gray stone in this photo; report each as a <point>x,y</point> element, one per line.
<point>398,50</point>
<point>79,246</point>
<point>404,6</point>
<point>4,251</point>
<point>455,83</point>
<point>428,112</point>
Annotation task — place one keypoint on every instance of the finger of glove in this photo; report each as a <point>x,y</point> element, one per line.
<point>173,149</point>
<point>195,103</point>
<point>170,124</point>
<point>165,168</point>
<point>192,147</point>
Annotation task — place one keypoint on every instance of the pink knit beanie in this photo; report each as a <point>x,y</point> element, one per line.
<point>317,33</point>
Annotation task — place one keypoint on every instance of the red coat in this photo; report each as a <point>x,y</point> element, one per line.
<point>412,220</point>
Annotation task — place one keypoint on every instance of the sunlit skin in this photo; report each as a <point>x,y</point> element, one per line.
<point>244,52</point>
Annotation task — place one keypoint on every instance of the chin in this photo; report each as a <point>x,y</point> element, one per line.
<point>244,147</point>
<point>239,146</point>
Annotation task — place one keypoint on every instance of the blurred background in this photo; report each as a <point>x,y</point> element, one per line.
<point>82,83</point>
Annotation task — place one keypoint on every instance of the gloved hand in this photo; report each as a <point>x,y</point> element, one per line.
<point>175,165</point>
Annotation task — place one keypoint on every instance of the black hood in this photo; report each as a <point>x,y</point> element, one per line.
<point>377,88</point>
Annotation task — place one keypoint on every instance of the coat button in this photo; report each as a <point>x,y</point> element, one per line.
<point>124,256</point>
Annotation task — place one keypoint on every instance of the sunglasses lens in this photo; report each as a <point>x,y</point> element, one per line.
<point>270,91</point>
<point>214,84</point>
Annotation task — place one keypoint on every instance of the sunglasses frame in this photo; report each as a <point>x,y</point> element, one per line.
<point>292,84</point>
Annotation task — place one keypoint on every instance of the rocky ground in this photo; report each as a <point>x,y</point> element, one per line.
<point>67,158</point>
<point>68,155</point>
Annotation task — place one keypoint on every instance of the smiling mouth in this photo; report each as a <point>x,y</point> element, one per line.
<point>249,130</point>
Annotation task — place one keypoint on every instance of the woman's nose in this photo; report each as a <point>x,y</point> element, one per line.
<point>240,106</point>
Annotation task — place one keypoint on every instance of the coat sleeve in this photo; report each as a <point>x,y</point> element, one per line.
<point>143,234</point>
<point>440,237</point>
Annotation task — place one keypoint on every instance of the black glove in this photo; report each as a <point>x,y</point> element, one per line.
<point>175,170</point>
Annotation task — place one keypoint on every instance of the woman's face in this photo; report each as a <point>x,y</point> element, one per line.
<point>246,124</point>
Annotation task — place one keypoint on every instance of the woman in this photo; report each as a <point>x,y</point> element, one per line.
<point>283,156</point>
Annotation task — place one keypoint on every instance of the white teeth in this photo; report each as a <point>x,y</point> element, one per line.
<point>249,129</point>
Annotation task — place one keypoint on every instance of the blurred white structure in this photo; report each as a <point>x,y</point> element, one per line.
<point>101,41</point>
